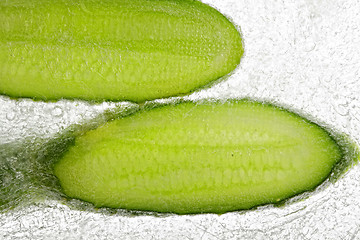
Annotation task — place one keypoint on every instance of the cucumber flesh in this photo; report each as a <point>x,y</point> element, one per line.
<point>133,50</point>
<point>195,158</point>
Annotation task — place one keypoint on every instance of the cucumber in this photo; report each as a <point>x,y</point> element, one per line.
<point>134,50</point>
<point>208,157</point>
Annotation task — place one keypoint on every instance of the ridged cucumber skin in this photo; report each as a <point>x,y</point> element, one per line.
<point>116,50</point>
<point>198,158</point>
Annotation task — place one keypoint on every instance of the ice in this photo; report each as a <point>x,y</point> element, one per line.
<point>304,55</point>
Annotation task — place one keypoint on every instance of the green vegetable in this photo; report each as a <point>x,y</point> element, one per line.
<point>192,158</point>
<point>133,50</point>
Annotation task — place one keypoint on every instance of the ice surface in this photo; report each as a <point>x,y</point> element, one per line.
<point>303,54</point>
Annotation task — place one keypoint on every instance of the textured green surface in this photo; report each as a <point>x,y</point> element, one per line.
<point>190,158</point>
<point>113,49</point>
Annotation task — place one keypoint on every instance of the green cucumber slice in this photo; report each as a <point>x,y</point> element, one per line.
<point>133,50</point>
<point>194,158</point>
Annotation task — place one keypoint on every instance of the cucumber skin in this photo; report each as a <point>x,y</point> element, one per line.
<point>198,158</point>
<point>134,50</point>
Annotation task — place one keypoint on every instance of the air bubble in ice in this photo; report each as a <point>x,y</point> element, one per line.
<point>10,116</point>
<point>57,111</point>
<point>309,46</point>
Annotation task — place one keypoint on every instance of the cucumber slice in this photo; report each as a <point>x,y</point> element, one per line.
<point>195,158</point>
<point>133,50</point>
